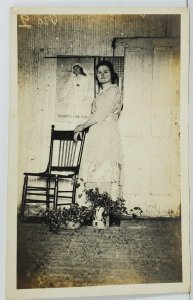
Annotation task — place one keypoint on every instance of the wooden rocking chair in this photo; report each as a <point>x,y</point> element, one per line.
<point>64,164</point>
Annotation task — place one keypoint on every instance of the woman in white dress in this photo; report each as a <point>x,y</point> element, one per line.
<point>102,155</point>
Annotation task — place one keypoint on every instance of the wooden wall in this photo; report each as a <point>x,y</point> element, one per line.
<point>48,36</point>
<point>89,34</point>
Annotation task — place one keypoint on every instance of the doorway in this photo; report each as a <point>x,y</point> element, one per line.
<point>150,126</point>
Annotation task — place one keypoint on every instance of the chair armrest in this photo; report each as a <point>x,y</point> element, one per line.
<point>35,174</point>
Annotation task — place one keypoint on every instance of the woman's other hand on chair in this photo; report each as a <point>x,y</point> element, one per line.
<point>78,128</point>
<point>78,132</point>
<point>76,135</point>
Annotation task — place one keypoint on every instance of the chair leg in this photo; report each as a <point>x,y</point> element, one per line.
<point>48,194</point>
<point>56,193</point>
<point>74,191</point>
<point>23,198</point>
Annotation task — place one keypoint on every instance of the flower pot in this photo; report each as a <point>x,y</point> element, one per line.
<point>73,225</point>
<point>114,221</point>
<point>99,221</point>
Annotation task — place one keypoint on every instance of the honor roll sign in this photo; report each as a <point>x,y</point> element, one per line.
<point>74,89</point>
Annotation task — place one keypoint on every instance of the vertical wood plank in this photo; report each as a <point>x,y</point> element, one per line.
<point>161,91</point>
<point>132,114</point>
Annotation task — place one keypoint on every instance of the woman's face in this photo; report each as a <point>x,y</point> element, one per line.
<point>76,70</point>
<point>104,74</point>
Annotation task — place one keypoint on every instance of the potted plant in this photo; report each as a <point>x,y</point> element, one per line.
<point>67,218</point>
<point>74,216</point>
<point>104,208</point>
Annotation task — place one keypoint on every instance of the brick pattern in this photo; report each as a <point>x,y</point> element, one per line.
<point>139,251</point>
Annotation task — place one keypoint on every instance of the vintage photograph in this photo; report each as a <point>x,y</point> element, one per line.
<point>100,200</point>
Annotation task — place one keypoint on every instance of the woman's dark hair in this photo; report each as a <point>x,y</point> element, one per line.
<point>114,76</point>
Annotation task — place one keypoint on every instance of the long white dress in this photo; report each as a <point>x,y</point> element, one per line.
<point>102,155</point>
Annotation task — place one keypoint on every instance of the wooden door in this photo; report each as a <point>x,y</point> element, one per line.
<point>149,126</point>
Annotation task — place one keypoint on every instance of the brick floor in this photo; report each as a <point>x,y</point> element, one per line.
<point>139,251</point>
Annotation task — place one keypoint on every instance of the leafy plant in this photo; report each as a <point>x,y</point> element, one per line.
<point>75,213</point>
<point>113,208</point>
<point>136,212</point>
<point>55,218</point>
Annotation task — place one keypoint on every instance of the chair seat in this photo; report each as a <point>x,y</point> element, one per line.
<point>63,175</point>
